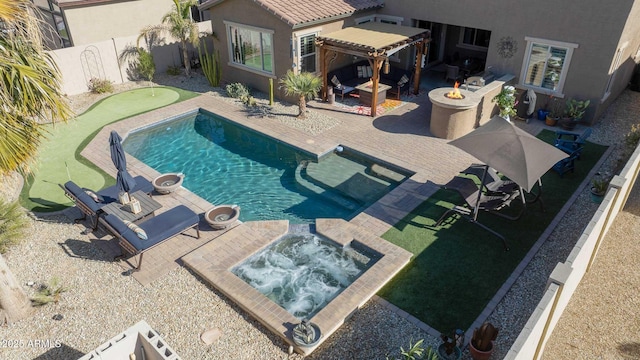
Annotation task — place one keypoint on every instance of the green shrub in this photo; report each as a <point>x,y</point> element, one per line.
<point>633,137</point>
<point>238,91</point>
<point>12,224</point>
<point>100,86</point>
<point>174,70</point>
<point>49,293</point>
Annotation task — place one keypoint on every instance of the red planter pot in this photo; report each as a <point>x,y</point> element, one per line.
<point>480,355</point>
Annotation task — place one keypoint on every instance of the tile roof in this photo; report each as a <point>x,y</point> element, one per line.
<point>298,12</point>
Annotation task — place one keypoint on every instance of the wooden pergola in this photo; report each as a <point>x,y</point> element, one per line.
<point>375,42</point>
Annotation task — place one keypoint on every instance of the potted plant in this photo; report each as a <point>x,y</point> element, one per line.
<point>449,349</point>
<point>555,112</point>
<point>506,102</point>
<point>575,110</point>
<point>598,189</point>
<point>482,341</point>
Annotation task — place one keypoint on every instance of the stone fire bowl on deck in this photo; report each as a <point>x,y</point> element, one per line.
<point>221,216</point>
<point>168,183</point>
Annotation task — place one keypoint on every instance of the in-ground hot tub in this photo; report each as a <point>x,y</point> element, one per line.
<point>452,118</point>
<point>216,260</point>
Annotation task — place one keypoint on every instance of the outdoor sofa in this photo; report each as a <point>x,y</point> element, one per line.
<point>358,73</point>
<point>91,207</point>
<point>156,229</point>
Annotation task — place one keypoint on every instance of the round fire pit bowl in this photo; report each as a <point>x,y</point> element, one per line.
<point>221,216</point>
<point>168,183</point>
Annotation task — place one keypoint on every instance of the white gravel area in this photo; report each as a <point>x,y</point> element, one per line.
<point>101,302</point>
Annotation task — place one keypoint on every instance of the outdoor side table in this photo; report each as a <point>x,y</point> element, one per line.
<point>147,204</point>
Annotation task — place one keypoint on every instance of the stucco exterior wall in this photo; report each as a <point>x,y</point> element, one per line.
<point>95,23</point>
<point>597,27</point>
<point>247,12</point>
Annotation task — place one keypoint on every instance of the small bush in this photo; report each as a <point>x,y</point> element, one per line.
<point>100,86</point>
<point>13,222</point>
<point>174,70</point>
<point>633,137</point>
<point>49,293</point>
<point>237,90</point>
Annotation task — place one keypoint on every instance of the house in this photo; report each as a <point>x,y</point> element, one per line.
<point>82,22</point>
<point>572,49</point>
<point>260,40</point>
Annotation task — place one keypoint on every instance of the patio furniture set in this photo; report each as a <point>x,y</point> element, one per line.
<point>137,228</point>
<point>357,76</point>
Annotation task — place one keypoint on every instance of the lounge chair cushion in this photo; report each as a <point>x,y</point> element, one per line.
<point>82,196</point>
<point>159,228</point>
<point>110,194</point>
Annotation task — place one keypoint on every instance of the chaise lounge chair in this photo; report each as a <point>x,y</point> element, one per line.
<point>91,207</point>
<point>157,230</point>
<point>476,200</point>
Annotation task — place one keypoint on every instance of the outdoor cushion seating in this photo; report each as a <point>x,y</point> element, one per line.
<point>452,73</point>
<point>89,207</point>
<point>350,76</point>
<point>157,229</point>
<point>570,141</point>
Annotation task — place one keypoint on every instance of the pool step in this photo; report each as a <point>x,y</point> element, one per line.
<point>332,196</point>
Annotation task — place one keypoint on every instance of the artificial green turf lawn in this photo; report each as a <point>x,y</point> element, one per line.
<point>458,267</point>
<point>59,159</point>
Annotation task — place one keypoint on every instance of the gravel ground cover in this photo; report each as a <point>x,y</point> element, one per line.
<point>101,302</point>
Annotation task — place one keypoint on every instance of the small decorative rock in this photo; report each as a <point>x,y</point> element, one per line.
<point>210,336</point>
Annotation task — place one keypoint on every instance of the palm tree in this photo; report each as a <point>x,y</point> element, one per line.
<point>303,85</point>
<point>30,87</point>
<point>180,26</point>
<point>30,91</point>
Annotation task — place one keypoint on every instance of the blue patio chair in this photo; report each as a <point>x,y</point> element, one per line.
<point>156,230</point>
<point>566,164</point>
<point>570,141</point>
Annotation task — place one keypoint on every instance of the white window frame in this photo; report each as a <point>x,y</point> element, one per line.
<point>615,65</point>
<point>558,92</point>
<point>262,31</point>
<point>298,50</point>
<point>463,45</point>
<point>395,20</point>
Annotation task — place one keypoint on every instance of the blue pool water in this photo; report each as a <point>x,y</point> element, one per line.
<point>225,163</point>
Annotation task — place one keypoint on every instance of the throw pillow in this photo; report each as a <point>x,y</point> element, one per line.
<point>336,82</point>
<point>361,73</point>
<point>403,80</point>
<point>136,229</point>
<point>97,198</point>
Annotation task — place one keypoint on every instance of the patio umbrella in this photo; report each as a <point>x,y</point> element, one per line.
<point>518,155</point>
<point>124,180</point>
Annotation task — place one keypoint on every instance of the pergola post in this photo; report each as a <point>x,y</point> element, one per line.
<point>420,48</point>
<point>324,66</point>
<point>376,65</point>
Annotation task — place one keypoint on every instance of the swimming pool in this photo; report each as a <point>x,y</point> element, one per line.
<point>225,163</point>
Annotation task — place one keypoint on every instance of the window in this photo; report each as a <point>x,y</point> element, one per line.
<point>250,47</point>
<point>387,19</point>
<point>546,64</point>
<point>308,53</point>
<point>474,38</point>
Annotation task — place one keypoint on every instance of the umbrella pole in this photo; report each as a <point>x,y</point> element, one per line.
<point>477,207</point>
